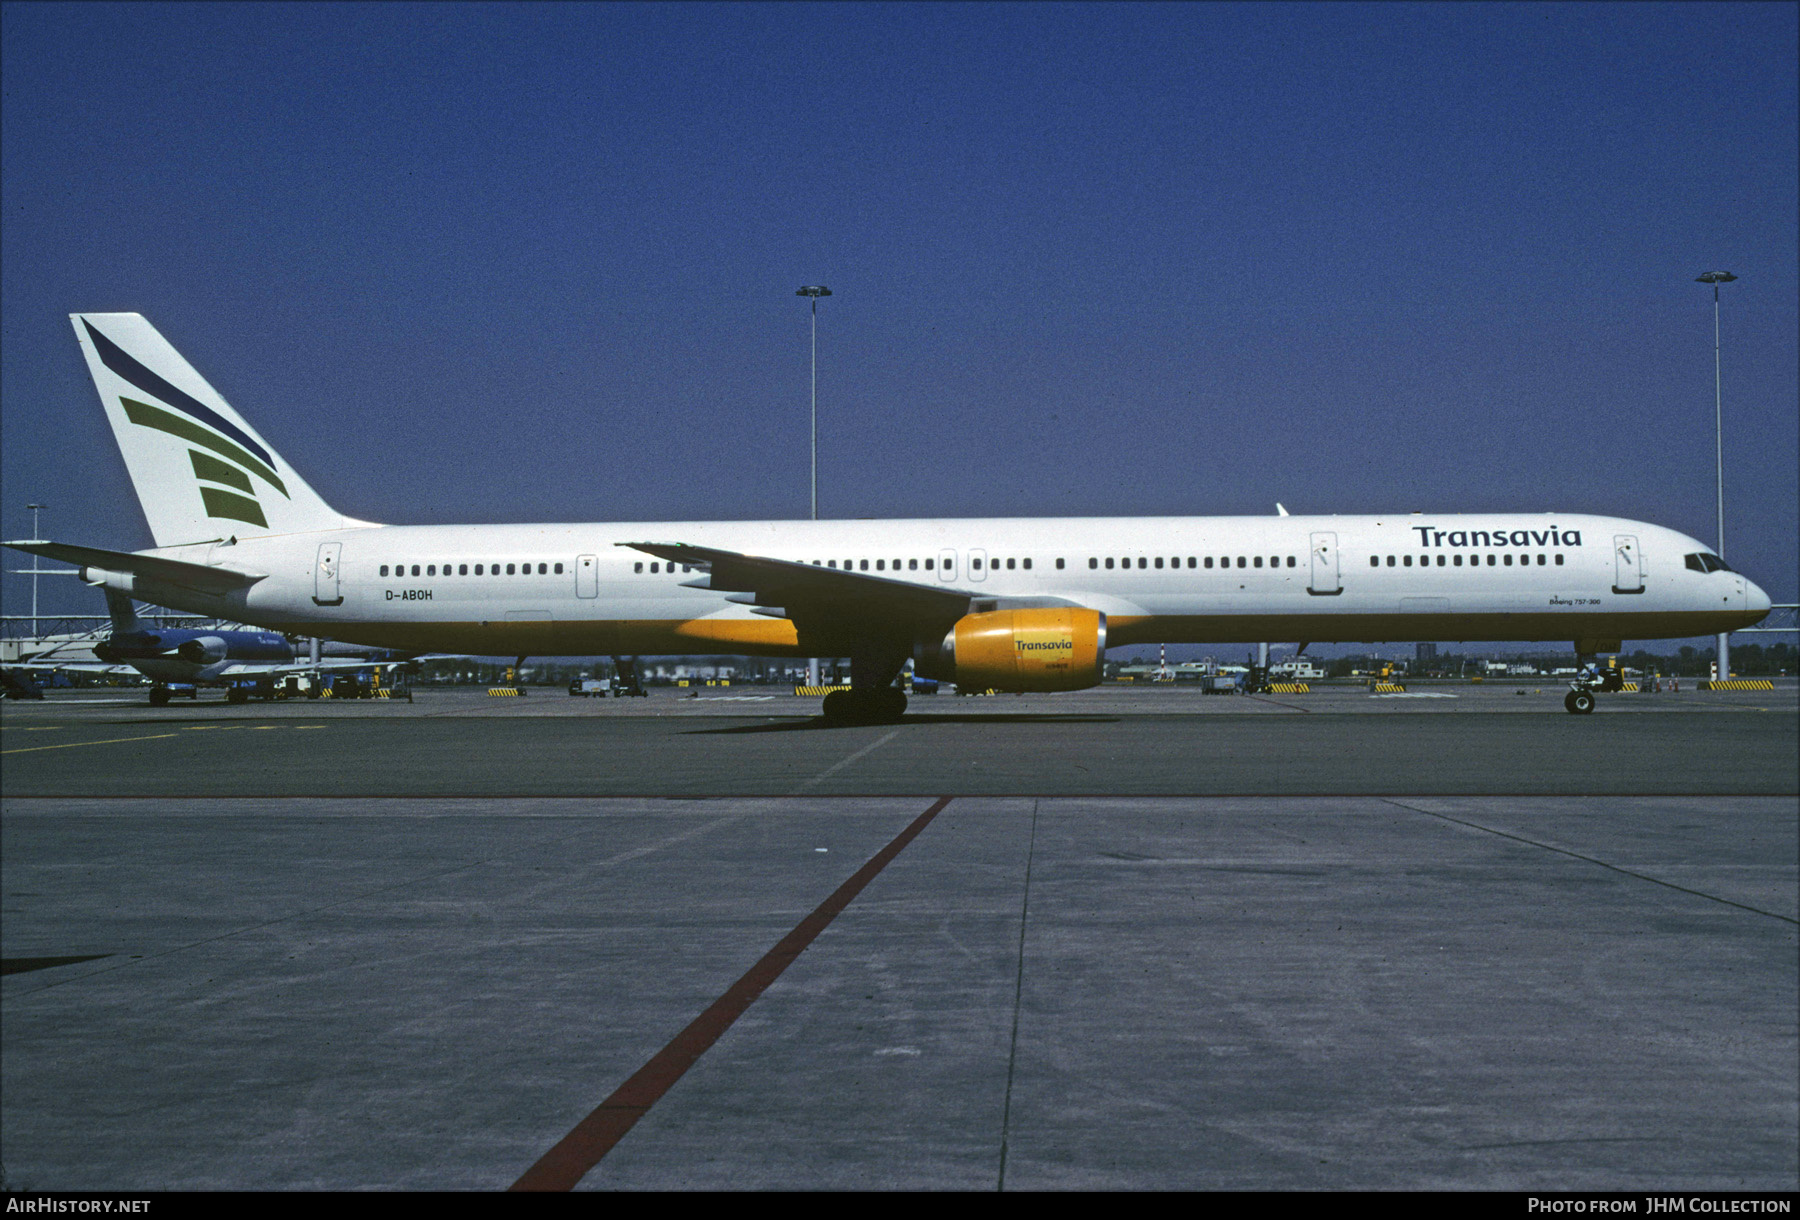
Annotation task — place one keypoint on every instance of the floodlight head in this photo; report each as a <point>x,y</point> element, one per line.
<point>814,290</point>
<point>1715,277</point>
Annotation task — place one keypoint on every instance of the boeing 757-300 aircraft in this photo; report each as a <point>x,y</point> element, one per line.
<point>1009,603</point>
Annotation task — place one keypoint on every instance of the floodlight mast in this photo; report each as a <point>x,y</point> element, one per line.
<point>36,563</point>
<point>814,291</point>
<point>1715,278</point>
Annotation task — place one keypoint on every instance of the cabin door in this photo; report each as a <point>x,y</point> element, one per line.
<point>325,576</point>
<point>587,576</point>
<point>1628,564</point>
<point>1324,567</point>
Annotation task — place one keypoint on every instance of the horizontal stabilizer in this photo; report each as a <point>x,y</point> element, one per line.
<point>199,576</point>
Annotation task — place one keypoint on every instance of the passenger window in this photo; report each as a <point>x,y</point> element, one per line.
<point>1508,559</point>
<point>1456,561</point>
<point>976,564</point>
<point>1142,562</point>
<point>1093,562</point>
<point>865,565</point>
<point>1390,561</point>
<point>431,570</point>
<point>510,569</point>
<point>384,568</point>
<point>1159,563</point>
<point>1406,561</point>
<point>542,569</point>
<point>912,565</point>
<point>655,569</point>
<point>1240,561</point>
<point>1109,563</point>
<point>636,567</point>
<point>1209,561</point>
<point>881,565</point>
<point>1258,562</point>
<point>1009,565</point>
<point>1374,561</point>
<point>928,564</point>
<point>1559,562</point>
<point>559,570</point>
<point>829,563</point>
<point>1291,560</point>
<point>1191,561</point>
<point>462,569</point>
<point>1490,561</point>
<point>1440,561</point>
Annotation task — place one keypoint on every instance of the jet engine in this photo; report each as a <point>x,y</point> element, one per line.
<point>1038,649</point>
<point>204,650</point>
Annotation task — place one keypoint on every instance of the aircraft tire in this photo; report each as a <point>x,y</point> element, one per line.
<point>236,694</point>
<point>159,696</point>
<point>864,706</point>
<point>1580,702</point>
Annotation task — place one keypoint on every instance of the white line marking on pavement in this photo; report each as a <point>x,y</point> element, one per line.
<point>828,772</point>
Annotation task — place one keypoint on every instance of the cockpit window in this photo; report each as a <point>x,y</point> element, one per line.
<point>1706,561</point>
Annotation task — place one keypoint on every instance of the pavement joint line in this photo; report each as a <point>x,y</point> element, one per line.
<point>1575,855</point>
<point>1012,1053</point>
<point>578,1152</point>
<point>621,858</point>
<point>828,772</point>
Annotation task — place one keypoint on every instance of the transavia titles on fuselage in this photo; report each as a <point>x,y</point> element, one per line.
<point>1011,603</point>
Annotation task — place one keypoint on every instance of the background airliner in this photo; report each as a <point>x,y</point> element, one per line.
<point>1011,603</point>
<point>244,663</point>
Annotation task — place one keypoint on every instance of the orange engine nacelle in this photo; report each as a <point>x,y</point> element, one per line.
<point>1052,648</point>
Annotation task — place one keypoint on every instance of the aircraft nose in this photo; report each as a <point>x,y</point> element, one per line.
<point>1755,600</point>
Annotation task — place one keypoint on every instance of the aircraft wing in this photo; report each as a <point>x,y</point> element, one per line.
<point>203,577</point>
<point>248,669</point>
<point>831,608</point>
<point>80,667</point>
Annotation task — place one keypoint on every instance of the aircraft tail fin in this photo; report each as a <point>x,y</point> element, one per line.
<point>123,611</point>
<point>201,472</point>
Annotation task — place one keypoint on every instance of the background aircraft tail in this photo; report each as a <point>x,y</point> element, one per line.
<point>123,612</point>
<point>200,471</point>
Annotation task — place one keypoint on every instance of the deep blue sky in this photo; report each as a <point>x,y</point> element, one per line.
<point>512,262</point>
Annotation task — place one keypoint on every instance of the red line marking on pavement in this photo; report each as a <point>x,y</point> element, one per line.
<point>594,1136</point>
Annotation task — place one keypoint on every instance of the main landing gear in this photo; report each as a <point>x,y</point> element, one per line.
<point>872,698</point>
<point>883,705</point>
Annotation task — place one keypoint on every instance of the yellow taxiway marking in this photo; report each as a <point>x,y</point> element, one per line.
<point>192,728</point>
<point>70,745</point>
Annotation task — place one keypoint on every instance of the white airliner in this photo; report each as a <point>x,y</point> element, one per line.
<point>1009,603</point>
